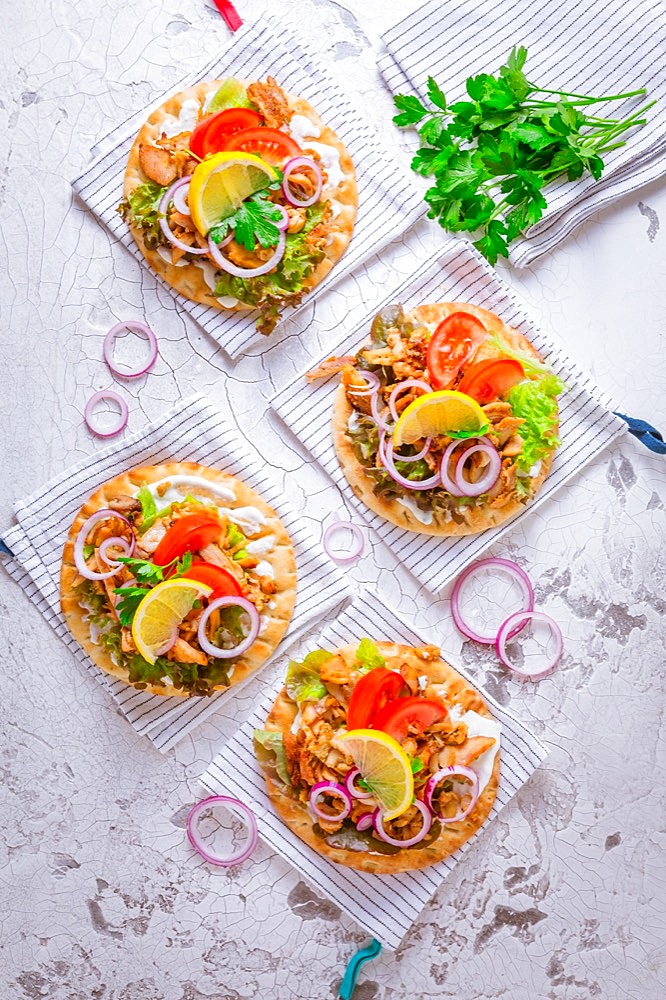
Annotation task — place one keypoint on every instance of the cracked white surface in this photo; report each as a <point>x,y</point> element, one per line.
<point>101,897</point>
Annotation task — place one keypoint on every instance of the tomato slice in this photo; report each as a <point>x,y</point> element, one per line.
<point>210,135</point>
<point>270,144</point>
<point>488,380</point>
<point>397,717</point>
<point>370,694</point>
<point>222,582</point>
<point>452,344</point>
<point>189,534</point>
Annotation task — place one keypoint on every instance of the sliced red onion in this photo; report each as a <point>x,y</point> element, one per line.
<point>163,208</point>
<point>354,553</point>
<point>390,450</point>
<point>372,378</point>
<point>80,542</point>
<point>365,822</point>
<point>180,194</point>
<point>503,565</point>
<point>451,772</point>
<point>294,164</point>
<point>447,482</point>
<point>248,272</point>
<point>241,811</point>
<point>224,602</point>
<point>334,789</point>
<point>115,542</point>
<point>513,624</point>
<point>357,793</point>
<point>388,463</point>
<point>378,417</point>
<point>410,383</point>
<point>423,832</point>
<point>283,224</point>
<point>489,478</point>
<point>123,416</point>
<point>134,327</point>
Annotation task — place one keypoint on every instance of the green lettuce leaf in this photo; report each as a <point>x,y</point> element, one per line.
<point>269,748</point>
<point>302,681</point>
<point>141,209</point>
<point>531,366</point>
<point>536,403</point>
<point>368,656</point>
<point>148,508</point>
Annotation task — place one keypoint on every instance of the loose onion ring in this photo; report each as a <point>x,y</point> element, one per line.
<point>243,646</point>
<point>241,811</point>
<point>450,772</point>
<point>502,564</point>
<point>355,552</point>
<point>423,832</point>
<point>513,624</point>
<point>134,326</point>
<point>364,822</point>
<point>123,416</point>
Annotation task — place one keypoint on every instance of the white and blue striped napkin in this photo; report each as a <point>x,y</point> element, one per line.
<point>586,422</point>
<point>194,431</point>
<point>581,46</point>
<point>388,200</point>
<point>385,905</point>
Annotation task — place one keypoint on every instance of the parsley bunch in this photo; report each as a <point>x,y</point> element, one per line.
<point>493,155</point>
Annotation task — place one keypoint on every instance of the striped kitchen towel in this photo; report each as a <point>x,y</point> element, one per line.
<point>194,431</point>
<point>586,422</point>
<point>388,201</point>
<point>581,46</point>
<point>385,905</point>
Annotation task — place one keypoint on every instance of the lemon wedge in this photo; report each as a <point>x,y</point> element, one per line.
<point>221,183</point>
<point>443,412</point>
<point>385,767</point>
<point>155,625</point>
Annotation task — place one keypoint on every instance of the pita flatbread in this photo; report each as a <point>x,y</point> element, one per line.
<point>279,553</point>
<point>473,518</point>
<point>190,280</point>
<point>456,691</point>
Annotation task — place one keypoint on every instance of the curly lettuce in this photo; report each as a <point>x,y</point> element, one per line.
<point>141,209</point>
<point>536,403</point>
<point>368,656</point>
<point>303,682</point>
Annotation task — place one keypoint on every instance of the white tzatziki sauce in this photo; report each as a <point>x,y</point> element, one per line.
<point>209,272</point>
<point>330,161</point>
<point>302,128</point>
<point>249,519</point>
<point>165,254</point>
<point>354,421</point>
<point>480,725</point>
<point>264,568</point>
<point>178,487</point>
<point>261,546</point>
<point>186,120</point>
<point>424,516</point>
<point>297,721</point>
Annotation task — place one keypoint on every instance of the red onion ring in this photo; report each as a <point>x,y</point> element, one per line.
<point>179,195</point>
<point>447,481</point>
<point>330,788</point>
<point>506,565</point>
<point>507,630</point>
<point>116,542</point>
<point>489,478</point>
<point>244,644</point>
<point>448,772</point>
<point>248,272</point>
<point>283,224</point>
<point>356,793</point>
<point>399,389</point>
<point>372,378</point>
<point>377,416</point>
<point>79,543</point>
<point>123,416</point>
<point>241,811</point>
<point>164,224</point>
<point>364,822</point>
<point>288,169</point>
<point>134,327</point>
<point>354,553</point>
<point>423,832</point>
<point>388,443</point>
<point>387,462</point>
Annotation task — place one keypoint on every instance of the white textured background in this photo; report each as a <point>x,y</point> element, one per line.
<point>101,899</point>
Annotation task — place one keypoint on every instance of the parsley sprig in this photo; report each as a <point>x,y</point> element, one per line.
<point>493,155</point>
<point>254,222</point>
<point>147,575</point>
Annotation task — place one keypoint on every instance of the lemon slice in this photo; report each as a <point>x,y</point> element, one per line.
<point>155,625</point>
<point>442,412</point>
<point>385,767</point>
<point>222,182</point>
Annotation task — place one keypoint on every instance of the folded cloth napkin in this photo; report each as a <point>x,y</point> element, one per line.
<point>581,46</point>
<point>586,423</point>
<point>385,905</point>
<point>388,201</point>
<point>194,431</point>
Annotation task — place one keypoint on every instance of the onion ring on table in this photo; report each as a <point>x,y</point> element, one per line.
<point>514,624</point>
<point>354,553</point>
<point>123,416</point>
<point>505,565</point>
<point>241,811</point>
<point>133,326</point>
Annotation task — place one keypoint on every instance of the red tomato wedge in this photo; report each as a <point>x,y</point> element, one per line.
<point>222,582</point>
<point>491,379</point>
<point>416,713</point>
<point>270,144</point>
<point>452,344</point>
<point>370,694</point>
<point>211,134</point>
<point>189,534</point>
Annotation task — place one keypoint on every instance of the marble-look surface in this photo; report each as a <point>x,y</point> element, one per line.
<point>101,898</point>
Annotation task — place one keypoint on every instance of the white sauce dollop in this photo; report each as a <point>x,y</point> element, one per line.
<point>330,159</point>
<point>186,120</point>
<point>249,519</point>
<point>302,128</point>
<point>209,272</point>
<point>424,516</point>
<point>354,421</point>
<point>261,546</point>
<point>195,486</point>
<point>264,568</point>
<point>480,725</point>
<point>165,254</point>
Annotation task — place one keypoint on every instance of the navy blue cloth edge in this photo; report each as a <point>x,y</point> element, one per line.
<point>645,433</point>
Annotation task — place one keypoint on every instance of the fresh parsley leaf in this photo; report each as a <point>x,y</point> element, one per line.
<point>436,94</point>
<point>130,599</point>
<point>416,765</point>
<point>412,110</point>
<point>253,223</point>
